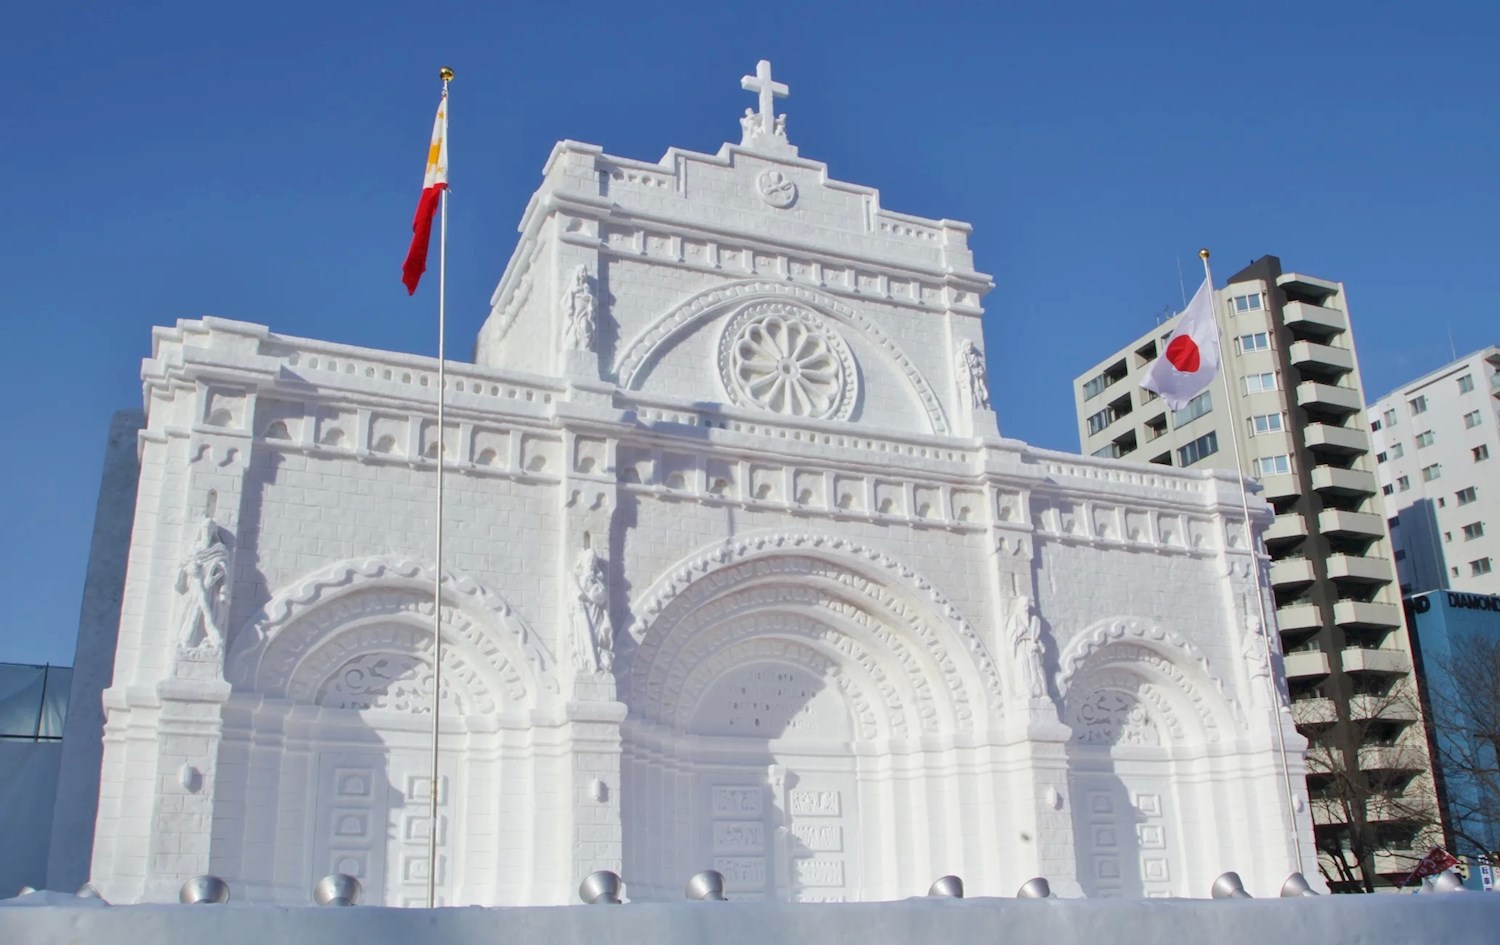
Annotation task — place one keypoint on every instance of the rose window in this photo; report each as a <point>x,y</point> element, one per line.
<point>786,360</point>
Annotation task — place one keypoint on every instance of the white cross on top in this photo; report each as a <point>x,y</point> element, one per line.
<point>768,90</point>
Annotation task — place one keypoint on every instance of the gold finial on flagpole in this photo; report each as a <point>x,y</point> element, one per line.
<point>1203,253</point>
<point>446,74</point>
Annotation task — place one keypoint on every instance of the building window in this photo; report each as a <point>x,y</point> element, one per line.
<point>1403,483</point>
<point>1108,451</point>
<point>1273,465</point>
<point>1481,452</point>
<point>1380,457</point>
<point>1418,404</point>
<point>1387,489</point>
<point>1465,496</point>
<point>1094,386</point>
<point>1255,341</point>
<point>1482,566</point>
<point>1393,522</point>
<point>1400,554</point>
<point>1471,420</point>
<point>1246,303</point>
<point>1429,473</point>
<point>1466,383</point>
<point>1195,408</point>
<point>1375,426</point>
<point>1255,383</point>
<point>1205,445</point>
<point>1266,423</point>
<point>1390,417</point>
<point>1424,439</point>
<point>1473,530</point>
<point>1100,420</point>
<point>1397,450</point>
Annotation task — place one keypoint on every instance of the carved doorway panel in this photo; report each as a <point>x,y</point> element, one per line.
<point>372,820</point>
<point>775,789</point>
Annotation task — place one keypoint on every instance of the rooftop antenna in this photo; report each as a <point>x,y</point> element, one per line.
<point>1451,348</point>
<point>1181,286</point>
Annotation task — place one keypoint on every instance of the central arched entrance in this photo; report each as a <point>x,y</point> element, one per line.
<point>793,722</point>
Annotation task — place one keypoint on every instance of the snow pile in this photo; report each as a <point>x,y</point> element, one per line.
<point>52,919</point>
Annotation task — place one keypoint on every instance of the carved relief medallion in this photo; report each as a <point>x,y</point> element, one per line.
<point>787,359</point>
<point>776,189</point>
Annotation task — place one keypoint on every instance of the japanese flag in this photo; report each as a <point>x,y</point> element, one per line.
<point>1191,360</point>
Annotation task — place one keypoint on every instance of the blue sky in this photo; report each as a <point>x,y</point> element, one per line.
<point>261,162</point>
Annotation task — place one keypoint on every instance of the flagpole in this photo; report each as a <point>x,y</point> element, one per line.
<point>1260,591</point>
<point>437,574</point>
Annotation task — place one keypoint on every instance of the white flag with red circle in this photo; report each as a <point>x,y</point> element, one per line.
<point>1191,359</point>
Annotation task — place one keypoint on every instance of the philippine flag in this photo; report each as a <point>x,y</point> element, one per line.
<point>434,182</point>
<point>1191,360</point>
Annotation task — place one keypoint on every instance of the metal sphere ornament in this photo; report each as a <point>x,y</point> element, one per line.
<point>601,888</point>
<point>947,887</point>
<point>337,889</point>
<point>204,891</point>
<point>446,74</point>
<point>707,886</point>
<point>1229,886</point>
<point>1035,888</point>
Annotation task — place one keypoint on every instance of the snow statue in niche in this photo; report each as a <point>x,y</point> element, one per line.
<point>593,638</point>
<point>1026,641</point>
<point>971,380</point>
<point>578,304</point>
<point>201,581</point>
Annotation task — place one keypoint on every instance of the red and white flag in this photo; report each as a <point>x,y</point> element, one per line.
<point>434,182</point>
<point>1436,861</point>
<point>1191,360</point>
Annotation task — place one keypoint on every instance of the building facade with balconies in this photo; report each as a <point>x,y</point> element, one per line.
<point>1298,404</point>
<point>1436,442</point>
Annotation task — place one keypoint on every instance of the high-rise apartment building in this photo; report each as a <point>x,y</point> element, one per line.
<point>1437,442</point>
<point>1298,404</point>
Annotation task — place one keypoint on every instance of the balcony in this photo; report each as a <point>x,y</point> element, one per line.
<point>1327,811</point>
<point>1321,359</point>
<point>1392,758</point>
<point>1337,441</point>
<point>1351,524</point>
<point>1318,711</point>
<point>1378,662</point>
<point>1283,486</point>
<point>1328,397</point>
<point>1363,615</point>
<point>1299,618</point>
<point>1290,573</point>
<point>1315,318</point>
<point>1384,708</point>
<point>1331,480</point>
<point>1288,527</point>
<point>1306,664</point>
<point>1357,569</point>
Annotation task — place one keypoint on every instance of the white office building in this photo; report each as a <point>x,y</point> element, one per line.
<point>1437,439</point>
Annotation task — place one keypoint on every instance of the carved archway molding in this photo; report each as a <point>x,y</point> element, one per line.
<point>861,573</point>
<point>1163,660</point>
<point>638,356</point>
<point>305,620</point>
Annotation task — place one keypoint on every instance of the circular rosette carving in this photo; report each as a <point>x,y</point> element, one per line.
<point>787,359</point>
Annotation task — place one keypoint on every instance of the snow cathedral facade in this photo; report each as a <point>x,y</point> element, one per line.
<point>738,574</point>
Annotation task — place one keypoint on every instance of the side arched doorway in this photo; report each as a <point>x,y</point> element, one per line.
<point>326,756</point>
<point>1146,771</point>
